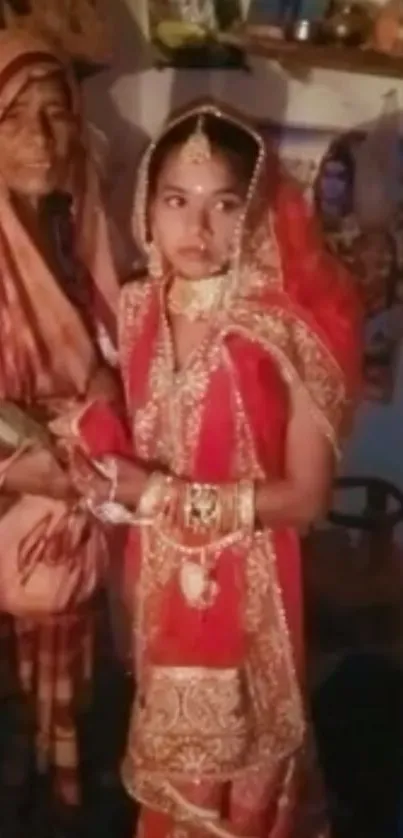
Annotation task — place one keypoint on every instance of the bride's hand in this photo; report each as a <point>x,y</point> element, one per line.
<point>88,481</point>
<point>91,483</point>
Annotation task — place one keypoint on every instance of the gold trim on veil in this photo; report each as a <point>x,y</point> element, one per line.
<point>252,201</point>
<point>303,356</point>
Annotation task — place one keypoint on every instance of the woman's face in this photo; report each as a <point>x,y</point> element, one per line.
<point>194,214</point>
<point>37,133</point>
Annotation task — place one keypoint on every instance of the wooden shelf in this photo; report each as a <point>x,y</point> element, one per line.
<point>302,56</point>
<point>84,69</point>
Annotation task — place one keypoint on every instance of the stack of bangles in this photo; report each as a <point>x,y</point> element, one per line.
<point>203,508</point>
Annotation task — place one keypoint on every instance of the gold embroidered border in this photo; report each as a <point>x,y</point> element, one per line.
<point>244,457</point>
<point>196,722</point>
<point>303,360</point>
<point>167,426</point>
<point>133,306</point>
<point>271,675</point>
<point>190,722</point>
<point>163,797</point>
<point>147,418</point>
<point>260,265</point>
<point>187,404</point>
<point>272,712</point>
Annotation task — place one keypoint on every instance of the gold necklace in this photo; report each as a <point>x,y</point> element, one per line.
<point>195,298</point>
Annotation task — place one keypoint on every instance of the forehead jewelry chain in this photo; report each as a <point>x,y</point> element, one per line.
<point>197,148</point>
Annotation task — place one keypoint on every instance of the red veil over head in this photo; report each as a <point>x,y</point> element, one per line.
<point>286,291</point>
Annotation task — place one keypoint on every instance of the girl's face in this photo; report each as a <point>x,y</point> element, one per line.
<point>194,214</point>
<point>36,137</point>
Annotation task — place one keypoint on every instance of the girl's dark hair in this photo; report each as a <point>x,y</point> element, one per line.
<point>226,138</point>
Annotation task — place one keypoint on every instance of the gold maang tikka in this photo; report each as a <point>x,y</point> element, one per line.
<point>197,148</point>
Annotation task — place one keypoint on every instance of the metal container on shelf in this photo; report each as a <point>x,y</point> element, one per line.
<point>181,23</point>
<point>348,23</point>
<point>209,14</point>
<point>302,19</point>
<point>201,12</point>
<point>191,33</point>
<point>303,31</point>
<point>176,23</point>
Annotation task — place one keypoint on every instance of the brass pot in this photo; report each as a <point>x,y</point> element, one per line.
<point>349,24</point>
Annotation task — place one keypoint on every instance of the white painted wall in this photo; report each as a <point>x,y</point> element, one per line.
<point>130,102</point>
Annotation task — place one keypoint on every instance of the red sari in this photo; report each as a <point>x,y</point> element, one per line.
<point>219,742</point>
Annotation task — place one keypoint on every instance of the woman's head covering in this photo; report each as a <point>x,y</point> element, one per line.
<point>285,290</point>
<point>46,337</point>
<point>197,116</point>
<point>24,58</point>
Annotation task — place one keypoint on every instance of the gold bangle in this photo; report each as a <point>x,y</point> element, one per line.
<point>229,508</point>
<point>202,507</point>
<point>108,467</point>
<point>245,505</point>
<point>209,508</point>
<point>155,496</point>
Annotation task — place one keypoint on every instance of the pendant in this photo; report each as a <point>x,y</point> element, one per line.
<point>198,590</point>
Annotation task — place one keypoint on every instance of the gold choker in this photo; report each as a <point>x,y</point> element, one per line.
<point>195,299</point>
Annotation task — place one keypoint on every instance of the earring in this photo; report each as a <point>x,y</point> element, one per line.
<point>155,261</point>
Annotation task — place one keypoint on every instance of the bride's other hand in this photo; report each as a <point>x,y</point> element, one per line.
<point>91,483</point>
<point>88,481</point>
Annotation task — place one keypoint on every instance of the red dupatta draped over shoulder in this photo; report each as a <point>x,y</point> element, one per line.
<point>218,741</point>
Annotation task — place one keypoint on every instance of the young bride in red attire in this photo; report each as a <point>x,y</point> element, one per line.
<point>240,352</point>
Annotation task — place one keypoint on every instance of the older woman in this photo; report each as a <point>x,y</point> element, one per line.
<point>57,298</point>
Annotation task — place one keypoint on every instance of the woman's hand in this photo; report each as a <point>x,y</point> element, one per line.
<point>91,483</point>
<point>37,472</point>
